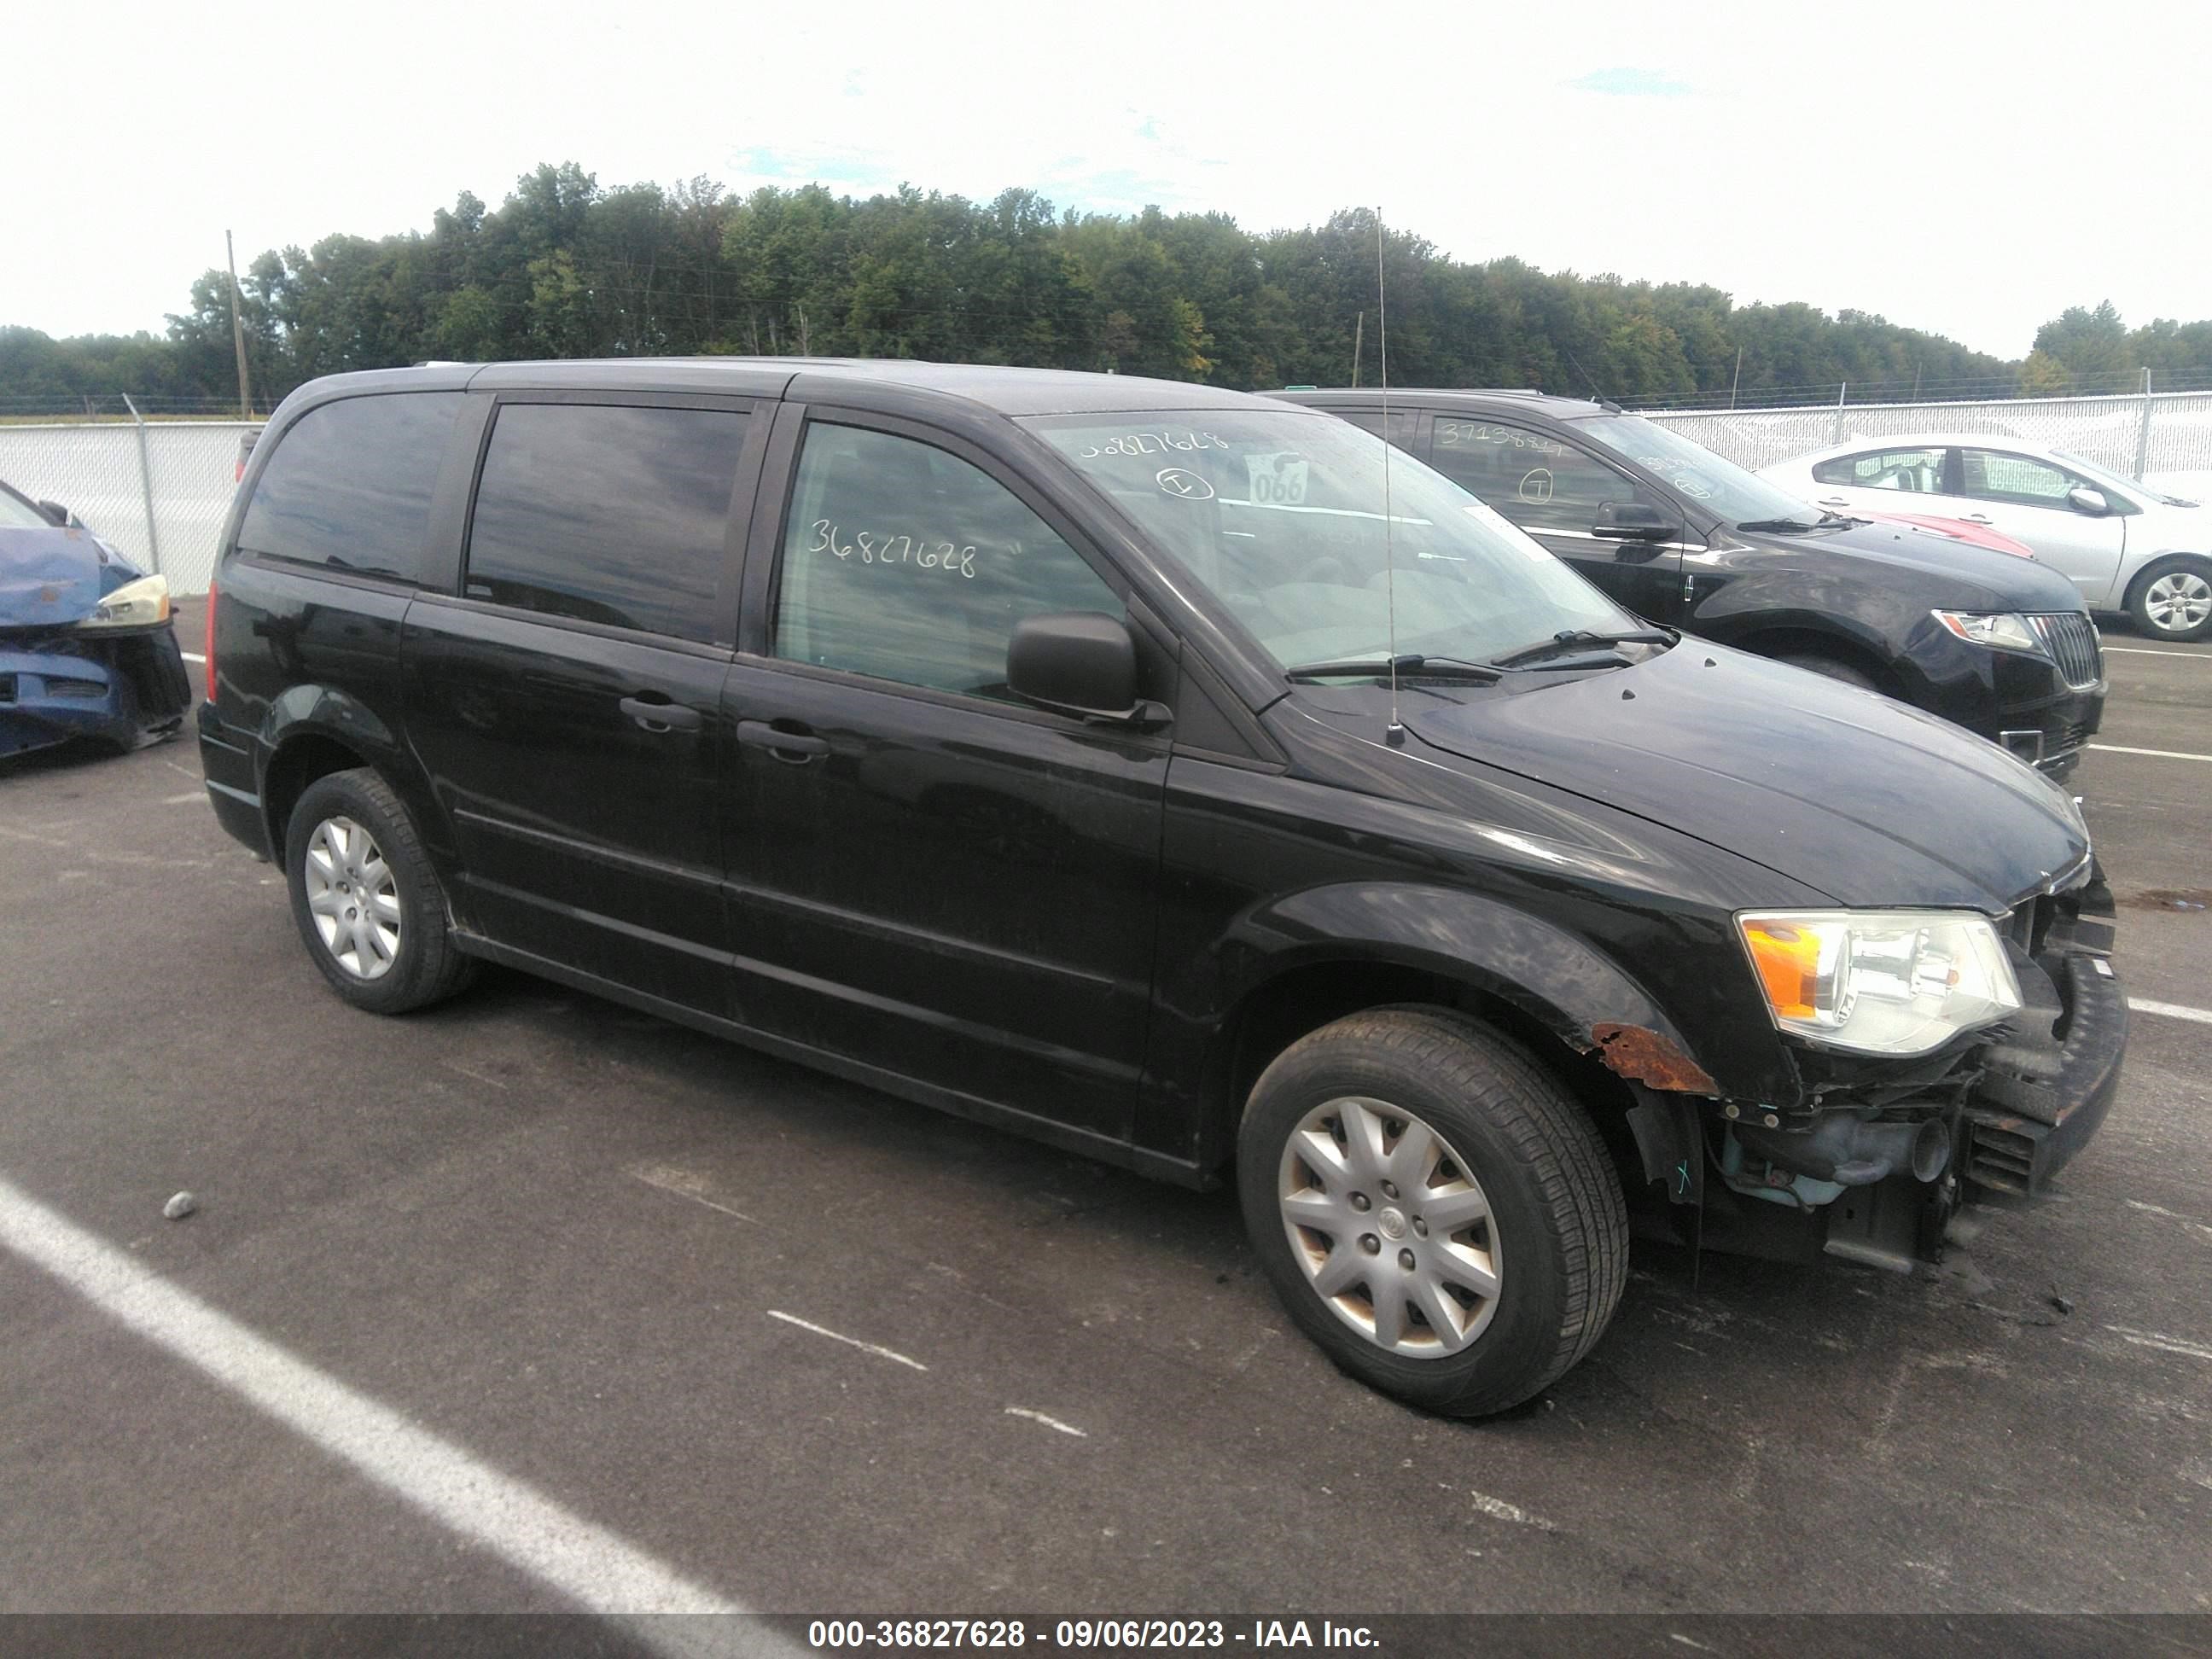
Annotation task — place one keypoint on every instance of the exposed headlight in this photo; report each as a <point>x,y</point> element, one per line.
<point>2005,630</point>
<point>1879,981</point>
<point>142,603</point>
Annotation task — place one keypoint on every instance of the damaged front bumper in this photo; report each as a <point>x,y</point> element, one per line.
<point>2043,1093</point>
<point>1873,1170</point>
<point>112,688</point>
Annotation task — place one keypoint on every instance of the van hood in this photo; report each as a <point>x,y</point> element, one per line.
<point>1848,792</point>
<point>51,578</point>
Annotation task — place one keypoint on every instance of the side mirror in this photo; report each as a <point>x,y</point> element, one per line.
<point>2082,499</point>
<point>1634,521</point>
<point>1082,663</point>
<point>55,511</point>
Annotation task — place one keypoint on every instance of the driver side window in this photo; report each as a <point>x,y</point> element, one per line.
<point>907,563</point>
<point>1536,481</point>
<point>1991,475</point>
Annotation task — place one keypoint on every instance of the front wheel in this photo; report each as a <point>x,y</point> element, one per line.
<point>2172,600</point>
<point>1435,1210</point>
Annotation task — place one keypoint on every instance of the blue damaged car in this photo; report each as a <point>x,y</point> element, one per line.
<point>86,646</point>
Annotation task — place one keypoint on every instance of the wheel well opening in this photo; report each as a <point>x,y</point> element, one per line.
<point>1781,642</point>
<point>295,765</point>
<point>2159,567</point>
<point>1306,999</point>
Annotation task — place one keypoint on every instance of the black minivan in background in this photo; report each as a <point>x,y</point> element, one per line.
<point>1682,536</point>
<point>1111,761</point>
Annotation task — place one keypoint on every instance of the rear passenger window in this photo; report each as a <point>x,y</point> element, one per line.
<point>607,513</point>
<point>349,484</point>
<point>1404,423</point>
<point>903,562</point>
<point>1919,472</point>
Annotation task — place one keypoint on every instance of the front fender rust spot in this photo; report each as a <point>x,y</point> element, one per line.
<point>1637,1052</point>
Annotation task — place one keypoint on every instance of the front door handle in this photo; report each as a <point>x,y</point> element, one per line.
<point>1978,518</point>
<point>656,713</point>
<point>1832,500</point>
<point>793,748</point>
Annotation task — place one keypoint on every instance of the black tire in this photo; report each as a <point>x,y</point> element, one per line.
<point>2183,569</point>
<point>1834,668</point>
<point>1561,1224</point>
<point>425,966</point>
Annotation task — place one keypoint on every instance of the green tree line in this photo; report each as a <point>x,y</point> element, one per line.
<point>563,267</point>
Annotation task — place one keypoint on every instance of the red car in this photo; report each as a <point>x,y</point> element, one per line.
<point>1958,530</point>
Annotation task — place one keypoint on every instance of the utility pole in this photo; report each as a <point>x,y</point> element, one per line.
<point>1738,381</point>
<point>238,332</point>
<point>1358,339</point>
<point>803,350</point>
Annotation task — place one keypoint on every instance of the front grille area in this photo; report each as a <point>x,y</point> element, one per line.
<point>1998,1155</point>
<point>2067,738</point>
<point>2071,639</point>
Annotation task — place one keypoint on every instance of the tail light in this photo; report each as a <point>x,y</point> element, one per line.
<point>208,646</point>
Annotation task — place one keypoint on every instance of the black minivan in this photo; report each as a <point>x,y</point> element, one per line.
<point>1680,535</point>
<point>1154,770</point>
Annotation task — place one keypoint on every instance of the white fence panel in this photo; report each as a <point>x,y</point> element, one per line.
<point>94,471</point>
<point>188,466</point>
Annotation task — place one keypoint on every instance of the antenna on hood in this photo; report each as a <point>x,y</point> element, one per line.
<point>1394,733</point>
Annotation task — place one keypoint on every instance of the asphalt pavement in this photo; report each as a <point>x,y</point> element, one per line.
<point>529,1302</point>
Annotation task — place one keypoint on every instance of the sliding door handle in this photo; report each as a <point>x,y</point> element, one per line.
<point>793,748</point>
<point>656,713</point>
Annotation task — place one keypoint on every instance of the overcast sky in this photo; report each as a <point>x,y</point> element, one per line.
<point>1967,169</point>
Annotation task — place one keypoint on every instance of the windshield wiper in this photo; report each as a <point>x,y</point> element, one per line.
<point>1577,639</point>
<point>1780,525</point>
<point>1405,665</point>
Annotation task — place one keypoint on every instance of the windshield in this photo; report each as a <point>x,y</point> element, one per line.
<point>1720,484</point>
<point>16,513</point>
<point>1280,515</point>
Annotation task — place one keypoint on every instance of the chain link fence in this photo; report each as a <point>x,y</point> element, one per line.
<point>2165,439</point>
<point>158,490</point>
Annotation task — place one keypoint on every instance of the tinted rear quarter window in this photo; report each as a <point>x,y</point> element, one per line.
<point>349,484</point>
<point>607,513</point>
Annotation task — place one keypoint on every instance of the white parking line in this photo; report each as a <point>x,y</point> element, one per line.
<point>189,657</point>
<point>1049,1422</point>
<point>850,1341</point>
<point>586,1564</point>
<point>684,1184</point>
<point>2144,651</point>
<point>2162,754</point>
<point>2162,1342</point>
<point>2171,1010</point>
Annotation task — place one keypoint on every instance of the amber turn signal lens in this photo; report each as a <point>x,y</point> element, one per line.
<point>1788,963</point>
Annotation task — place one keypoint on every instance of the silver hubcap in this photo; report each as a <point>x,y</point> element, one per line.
<point>2178,601</point>
<point>1390,1226</point>
<point>353,898</point>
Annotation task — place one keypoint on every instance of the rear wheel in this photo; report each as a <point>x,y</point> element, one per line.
<point>1434,1209</point>
<point>369,905</point>
<point>2172,600</point>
